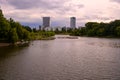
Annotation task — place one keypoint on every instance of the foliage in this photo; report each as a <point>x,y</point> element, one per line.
<point>12,31</point>
<point>95,29</point>
<point>43,34</point>
<point>34,30</point>
<point>13,37</point>
<point>28,28</point>
<point>4,27</point>
<point>118,31</point>
<point>63,30</point>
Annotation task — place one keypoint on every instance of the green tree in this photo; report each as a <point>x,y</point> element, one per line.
<point>28,28</point>
<point>100,32</point>
<point>34,30</point>
<point>12,23</point>
<point>63,29</point>
<point>91,25</point>
<point>26,35</point>
<point>117,31</point>
<point>112,26</point>
<point>57,31</point>
<point>4,26</point>
<point>13,37</point>
<point>20,30</point>
<point>82,31</point>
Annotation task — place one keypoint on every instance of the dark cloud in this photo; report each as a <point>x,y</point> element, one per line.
<point>80,6</point>
<point>27,4</point>
<point>43,4</point>
<point>2,3</point>
<point>118,1</point>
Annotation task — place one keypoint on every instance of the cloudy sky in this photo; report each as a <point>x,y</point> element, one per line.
<point>30,12</point>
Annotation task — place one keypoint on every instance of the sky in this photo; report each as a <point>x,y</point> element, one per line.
<point>30,12</point>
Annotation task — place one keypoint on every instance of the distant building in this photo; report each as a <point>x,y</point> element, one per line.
<point>73,22</point>
<point>40,28</point>
<point>46,22</point>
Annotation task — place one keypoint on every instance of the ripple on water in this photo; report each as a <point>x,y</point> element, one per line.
<point>106,44</point>
<point>63,59</point>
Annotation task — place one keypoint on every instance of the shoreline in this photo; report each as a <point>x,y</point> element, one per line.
<point>4,44</point>
<point>107,37</point>
<point>24,43</point>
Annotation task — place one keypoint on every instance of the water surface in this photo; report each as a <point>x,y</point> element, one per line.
<point>62,59</point>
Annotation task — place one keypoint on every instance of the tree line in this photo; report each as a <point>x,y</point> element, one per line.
<point>95,29</point>
<point>12,31</point>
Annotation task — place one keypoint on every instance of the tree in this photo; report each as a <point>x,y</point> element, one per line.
<point>12,31</point>
<point>34,30</point>
<point>13,37</point>
<point>26,35</point>
<point>28,28</point>
<point>91,25</point>
<point>100,32</point>
<point>112,26</point>
<point>12,23</point>
<point>82,31</point>
<point>63,29</point>
<point>57,31</point>
<point>117,31</point>
<point>20,30</point>
<point>4,26</point>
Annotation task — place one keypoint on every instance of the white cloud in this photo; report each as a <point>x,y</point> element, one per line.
<point>32,11</point>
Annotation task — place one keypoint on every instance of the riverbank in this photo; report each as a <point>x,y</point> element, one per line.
<point>19,44</point>
<point>24,43</point>
<point>4,44</point>
<point>45,38</point>
<point>107,37</point>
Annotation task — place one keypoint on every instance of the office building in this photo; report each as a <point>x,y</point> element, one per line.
<point>46,22</point>
<point>73,22</point>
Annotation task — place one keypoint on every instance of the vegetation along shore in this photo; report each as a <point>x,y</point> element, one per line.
<point>12,32</point>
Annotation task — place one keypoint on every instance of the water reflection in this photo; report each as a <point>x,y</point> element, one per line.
<point>102,42</point>
<point>9,51</point>
<point>62,59</point>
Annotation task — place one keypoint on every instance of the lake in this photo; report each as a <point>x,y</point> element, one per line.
<point>84,58</point>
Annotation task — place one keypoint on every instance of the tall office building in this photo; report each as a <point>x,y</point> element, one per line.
<point>73,22</point>
<point>46,22</point>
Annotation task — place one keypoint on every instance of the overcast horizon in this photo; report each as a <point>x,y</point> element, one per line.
<point>30,12</point>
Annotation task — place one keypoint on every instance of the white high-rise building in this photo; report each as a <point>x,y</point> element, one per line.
<point>73,22</point>
<point>46,22</point>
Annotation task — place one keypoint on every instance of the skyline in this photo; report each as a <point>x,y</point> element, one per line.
<point>31,12</point>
